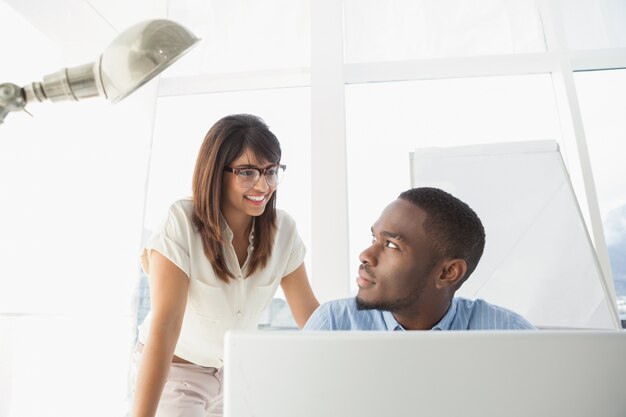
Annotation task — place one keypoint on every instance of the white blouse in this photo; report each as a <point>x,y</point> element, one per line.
<point>213,306</point>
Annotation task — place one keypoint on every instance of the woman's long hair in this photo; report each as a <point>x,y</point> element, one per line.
<point>226,141</point>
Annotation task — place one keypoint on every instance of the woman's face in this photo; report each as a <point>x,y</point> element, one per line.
<point>250,200</point>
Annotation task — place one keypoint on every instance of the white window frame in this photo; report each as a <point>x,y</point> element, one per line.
<point>327,77</point>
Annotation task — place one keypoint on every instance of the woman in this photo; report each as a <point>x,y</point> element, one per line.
<point>214,265</point>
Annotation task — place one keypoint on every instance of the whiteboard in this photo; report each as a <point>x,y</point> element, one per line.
<point>539,260</point>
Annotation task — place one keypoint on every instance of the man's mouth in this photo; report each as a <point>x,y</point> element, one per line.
<point>364,283</point>
<point>365,278</point>
<point>366,272</point>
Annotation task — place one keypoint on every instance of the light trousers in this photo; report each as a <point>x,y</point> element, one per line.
<point>190,390</point>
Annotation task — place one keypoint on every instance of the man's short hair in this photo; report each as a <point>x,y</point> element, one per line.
<point>455,229</point>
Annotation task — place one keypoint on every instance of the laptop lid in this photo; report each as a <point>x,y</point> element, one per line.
<point>448,374</point>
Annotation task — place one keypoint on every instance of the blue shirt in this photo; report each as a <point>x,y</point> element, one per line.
<point>463,314</point>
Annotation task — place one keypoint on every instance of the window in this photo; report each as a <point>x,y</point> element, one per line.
<point>408,29</point>
<point>386,121</point>
<point>602,96</point>
<point>594,24</point>
<point>243,35</point>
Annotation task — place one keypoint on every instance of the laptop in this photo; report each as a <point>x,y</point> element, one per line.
<point>545,373</point>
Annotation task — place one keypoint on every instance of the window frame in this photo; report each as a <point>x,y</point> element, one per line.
<point>327,77</point>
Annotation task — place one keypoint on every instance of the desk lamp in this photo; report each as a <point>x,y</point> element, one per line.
<point>133,58</point>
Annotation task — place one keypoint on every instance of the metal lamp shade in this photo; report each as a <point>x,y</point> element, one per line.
<point>139,54</point>
<point>135,57</point>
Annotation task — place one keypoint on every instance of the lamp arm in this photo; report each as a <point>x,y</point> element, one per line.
<point>12,98</point>
<point>134,57</point>
<point>72,84</point>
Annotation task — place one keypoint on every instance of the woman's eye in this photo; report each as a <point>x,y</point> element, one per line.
<point>247,173</point>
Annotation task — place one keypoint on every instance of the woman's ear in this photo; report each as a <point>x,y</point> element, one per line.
<point>452,274</point>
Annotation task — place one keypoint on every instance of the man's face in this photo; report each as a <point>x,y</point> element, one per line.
<point>400,267</point>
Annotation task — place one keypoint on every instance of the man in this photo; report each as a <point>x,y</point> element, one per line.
<point>424,246</point>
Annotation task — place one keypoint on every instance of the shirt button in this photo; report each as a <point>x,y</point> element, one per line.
<point>239,313</point>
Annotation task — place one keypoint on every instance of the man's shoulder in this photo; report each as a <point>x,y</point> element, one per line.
<point>343,314</point>
<point>484,315</point>
<point>480,304</point>
<point>340,308</point>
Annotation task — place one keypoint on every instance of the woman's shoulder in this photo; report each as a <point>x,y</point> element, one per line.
<point>284,219</point>
<point>182,208</point>
<point>179,215</point>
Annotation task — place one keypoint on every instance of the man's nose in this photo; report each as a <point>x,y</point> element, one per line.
<point>369,255</point>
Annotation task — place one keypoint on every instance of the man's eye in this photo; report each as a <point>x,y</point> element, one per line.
<point>373,239</point>
<point>391,245</point>
<point>272,172</point>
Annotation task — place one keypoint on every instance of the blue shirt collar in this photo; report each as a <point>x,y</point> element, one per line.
<point>391,322</point>
<point>444,323</point>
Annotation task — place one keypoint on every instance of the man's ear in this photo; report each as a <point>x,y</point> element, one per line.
<point>452,273</point>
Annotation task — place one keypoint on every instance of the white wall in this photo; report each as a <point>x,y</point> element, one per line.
<point>72,186</point>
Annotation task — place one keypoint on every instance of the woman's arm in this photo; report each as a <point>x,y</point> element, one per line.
<point>168,298</point>
<point>299,294</point>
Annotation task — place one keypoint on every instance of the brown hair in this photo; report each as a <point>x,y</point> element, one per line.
<point>227,139</point>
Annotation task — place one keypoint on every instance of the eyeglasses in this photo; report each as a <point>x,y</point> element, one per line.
<point>248,177</point>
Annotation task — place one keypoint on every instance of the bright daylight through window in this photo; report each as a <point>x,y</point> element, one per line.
<point>83,184</point>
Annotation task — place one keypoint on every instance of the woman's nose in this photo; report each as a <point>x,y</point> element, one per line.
<point>261,184</point>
